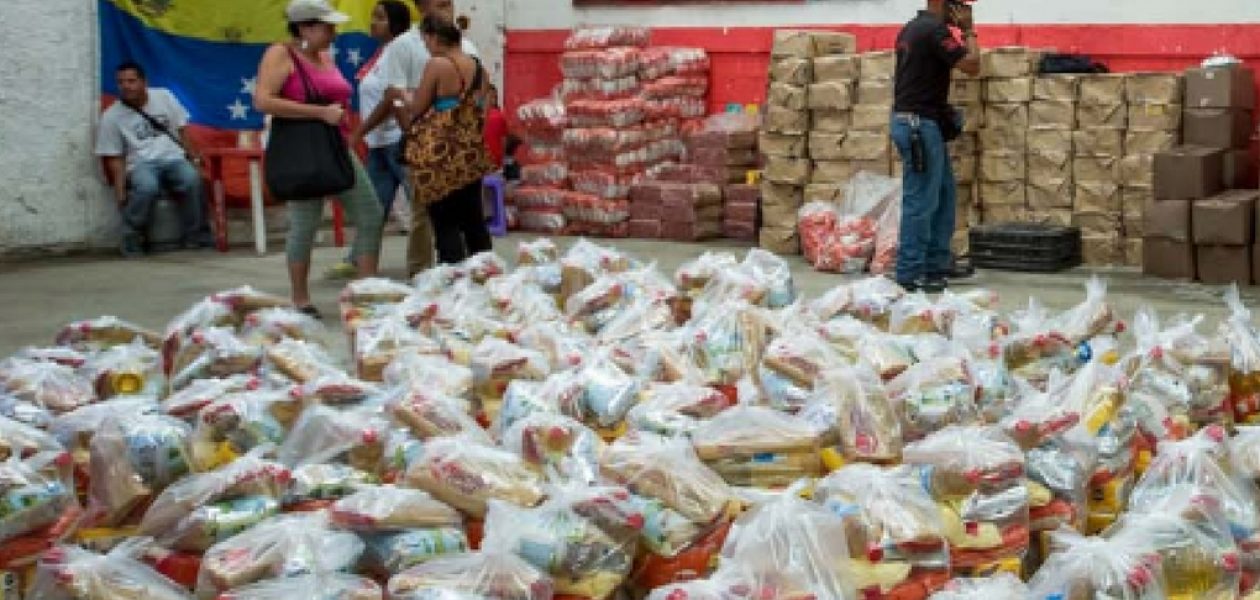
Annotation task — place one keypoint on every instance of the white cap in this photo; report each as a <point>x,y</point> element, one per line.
<point>303,11</point>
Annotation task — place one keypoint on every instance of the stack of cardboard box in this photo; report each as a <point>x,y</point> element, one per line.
<point>786,141</point>
<point>966,95</point>
<point>1051,123</point>
<point>1218,114</point>
<point>831,98</point>
<point>1154,126</point>
<point>1003,168</point>
<point>1097,149</point>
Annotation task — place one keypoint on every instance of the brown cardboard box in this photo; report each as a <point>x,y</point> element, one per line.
<point>866,145</point>
<point>1169,259</point>
<point>792,171</point>
<point>1168,219</point>
<point>1110,116</point>
<point>1002,166</point>
<point>1239,170</point>
<point>960,242</point>
<point>1004,193</point>
<point>1098,197</point>
<point>780,194</point>
<point>831,193</point>
<point>779,215</point>
<point>1137,170</point>
<point>783,120</point>
<point>965,168</point>
<point>1055,216</point>
<point>1102,250</point>
<point>1005,213</point>
<point>826,146</point>
<point>1133,227</point>
<point>1134,201</point>
<point>1105,89</point>
<point>779,240</point>
<point>967,143</point>
<point>1098,141</point>
<point>809,44</point>
<point>1049,166</point>
<point>1133,251</point>
<point>1052,114</point>
<point>965,204</point>
<point>1227,87</point>
<point>777,144</point>
<point>791,97</point>
<point>831,95</point>
<point>1049,194</point>
<point>836,68</point>
<point>1006,116</point>
<point>973,117</point>
<point>1153,88</point>
<point>1096,169</point>
<point>834,172</point>
<point>1015,89</point>
<point>1006,62</point>
<point>868,117</point>
<point>878,65</point>
<point>1188,173</point>
<point>1099,224</point>
<point>1058,88</point>
<point>727,140</point>
<point>792,71</point>
<point>1155,116</point>
<point>1223,265</point>
<point>831,121</point>
<point>829,43</point>
<point>888,166</point>
<point>1218,127</point>
<point>1149,141</point>
<point>1003,139</point>
<point>693,231</point>
<point>875,91</point>
<point>966,91</point>
<point>646,212</point>
<point>1227,219</point>
<point>1050,140</point>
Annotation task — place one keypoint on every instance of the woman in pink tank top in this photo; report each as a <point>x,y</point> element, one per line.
<point>281,92</point>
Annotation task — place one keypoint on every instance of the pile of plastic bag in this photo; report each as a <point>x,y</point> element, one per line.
<point>856,232</point>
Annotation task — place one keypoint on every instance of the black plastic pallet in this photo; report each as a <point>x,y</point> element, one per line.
<point>1028,247</point>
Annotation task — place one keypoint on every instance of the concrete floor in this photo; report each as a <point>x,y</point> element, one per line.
<point>39,296</point>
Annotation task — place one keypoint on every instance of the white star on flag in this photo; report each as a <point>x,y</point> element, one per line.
<point>356,57</point>
<point>239,110</point>
<point>247,85</point>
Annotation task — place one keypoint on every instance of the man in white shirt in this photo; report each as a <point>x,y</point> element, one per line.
<point>402,64</point>
<point>147,150</point>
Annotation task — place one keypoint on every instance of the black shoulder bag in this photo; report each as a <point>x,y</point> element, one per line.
<point>307,159</point>
<point>160,127</point>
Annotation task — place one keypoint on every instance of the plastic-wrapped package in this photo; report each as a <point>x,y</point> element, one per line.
<point>755,446</point>
<point>727,343</point>
<point>207,508</point>
<point>930,395</point>
<point>1244,343</point>
<point>374,509</point>
<point>541,251</point>
<point>1001,586</point>
<point>607,37</point>
<point>607,63</point>
<point>670,472</point>
<point>71,573</point>
<point>126,370</point>
<point>22,440</point>
<point>186,403</point>
<point>869,300</point>
<point>496,362</point>
<point>429,415</point>
<point>484,575</point>
<point>134,458</point>
<point>556,446</point>
<point>791,366</point>
<point>994,385</point>
<point>378,341</point>
<point>775,273</point>
<point>432,373</point>
<point>976,475</point>
<point>270,325</point>
<point>68,357</point>
<point>245,300</point>
<point>1059,473</point>
<point>865,424</point>
<point>103,332</point>
<point>39,497</point>
<point>213,352</point>
<point>1035,349</point>
<point>335,389</point>
<point>1091,318</point>
<point>564,346</point>
<point>301,361</point>
<point>695,274</point>
<point>1244,452</point>
<point>1091,567</point>
<point>361,298</point>
<point>676,408</point>
<point>53,387</point>
<point>542,118</point>
<point>238,423</point>
<point>75,430</point>
<point>331,586</point>
<point>1179,371</point>
<point>279,548</point>
<point>1113,479</point>
<point>204,314</point>
<point>323,435</point>
<point>524,398</point>
<point>466,475</point>
<point>834,242</point>
<point>608,393</point>
<point>893,528</point>
<point>316,485</point>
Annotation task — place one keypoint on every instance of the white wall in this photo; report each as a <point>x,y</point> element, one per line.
<point>50,193</point>
<point>487,31</point>
<point>560,14</point>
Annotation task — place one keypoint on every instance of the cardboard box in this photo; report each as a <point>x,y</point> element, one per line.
<point>866,145</point>
<point>1147,141</point>
<point>887,166</point>
<point>1168,219</point>
<point>1097,197</point>
<point>1006,62</point>
<point>1098,141</point>
<point>965,203</point>
<point>826,146</point>
<point>792,71</point>
<point>1101,250</point>
<point>1006,116</point>
<point>1003,139</point>
<point>960,242</point>
<point>1218,127</point>
<point>1153,88</point>
<point>1132,252</point>
<point>1050,140</point>
<point>1005,213</point>
<point>1004,193</point>
<point>878,65</point>
<point>867,117</point>
<point>831,95</point>
<point>723,157</point>
<point>1016,89</point>
<point>1239,170</point>
<point>973,117</point>
<point>812,43</point>
<point>779,215</point>
<point>1135,200</point>
<point>1052,114</point>
<point>1137,170</point>
<point>875,91</point>
<point>1057,88</point>
<point>835,171</point>
<point>1169,259</point>
<point>1056,216</point>
<point>1002,166</point>
<point>1155,116</point>
<point>791,171</point>
<point>1110,116</point>
<point>741,193</point>
<point>966,91</point>
<point>644,228</point>
<point>773,194</point>
<point>694,214</point>
<point>1221,87</point>
<point>791,97</point>
<point>965,168</point>
<point>1098,224</point>
<point>836,68</point>
<point>785,120</point>
<point>786,145</point>
<point>779,240</point>
<point>831,121</point>
<point>831,193</point>
<point>1049,166</point>
<point>1133,227</point>
<point>1223,265</point>
<point>1227,219</point>
<point>1049,194</point>
<point>967,143</point>
<point>1105,89</point>
<point>1188,173</point>
<point>1096,169</point>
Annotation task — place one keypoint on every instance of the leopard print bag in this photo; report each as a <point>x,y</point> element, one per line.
<point>446,151</point>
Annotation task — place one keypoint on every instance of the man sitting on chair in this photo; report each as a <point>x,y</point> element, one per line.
<point>147,151</point>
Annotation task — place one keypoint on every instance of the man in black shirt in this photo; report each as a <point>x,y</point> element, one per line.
<point>928,50</point>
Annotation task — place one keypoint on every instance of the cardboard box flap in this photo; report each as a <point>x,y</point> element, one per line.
<point>1102,88</point>
<point>1061,88</point>
<point>836,68</point>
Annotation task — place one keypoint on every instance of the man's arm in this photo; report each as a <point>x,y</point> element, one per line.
<point>961,16</point>
<point>118,174</point>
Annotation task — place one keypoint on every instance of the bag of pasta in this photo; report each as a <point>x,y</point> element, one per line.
<point>281,547</point>
<point>72,573</point>
<point>754,446</point>
<point>466,474</point>
<point>932,394</point>
<point>238,423</point>
<point>556,446</point>
<point>792,365</point>
<point>134,458</point>
<point>1094,567</point>
<point>669,471</point>
<point>331,586</point>
<point>498,575</point>
<point>671,409</point>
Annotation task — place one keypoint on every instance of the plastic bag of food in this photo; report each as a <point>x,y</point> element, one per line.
<point>977,333</point>
<point>1093,567</point>
<point>976,475</point>
<point>71,573</point>
<point>279,548</point>
<point>1179,373</point>
<point>74,430</point>
<point>103,332</point>
<point>540,251</point>
<point>68,357</point>
<point>39,496</point>
<point>300,360</point>
<point>1059,473</point>
<point>727,343</point>
<point>375,509</point>
<point>556,446</point>
<point>791,366</point>
<point>930,395</point>
<point>887,238</point>
<point>245,300</point>
<point>1244,452</point>
<point>834,242</point>
<point>865,424</point>
<point>331,586</point>
<point>1244,343</point>
<point>1091,318</point>
<point>317,485</point>
<point>695,274</point>
<point>21,440</point>
<point>270,325</point>
<point>324,434</point>
<point>730,286</point>
<point>126,370</point>
<point>134,458</point>
<point>186,403</point>
<point>524,398</point>
<point>668,470</point>
<point>564,346</point>
<point>608,393</point>
<point>53,387</point>
<point>473,575</point>
<point>996,587</point>
<point>213,352</point>
<point>1035,349</point>
<point>893,528</point>
<point>467,474</point>
<point>775,273</point>
<point>671,409</point>
<point>496,362</point>
<point>207,508</point>
<point>234,425</point>
<point>204,314</point>
<point>335,389</point>
<point>869,300</point>
<point>430,415</point>
<point>759,447</point>
<point>435,374</point>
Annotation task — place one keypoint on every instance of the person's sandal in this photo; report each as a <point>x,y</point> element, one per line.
<point>310,311</point>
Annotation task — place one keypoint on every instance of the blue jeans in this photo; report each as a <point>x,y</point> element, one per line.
<point>385,170</point>
<point>145,183</point>
<point>927,203</point>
